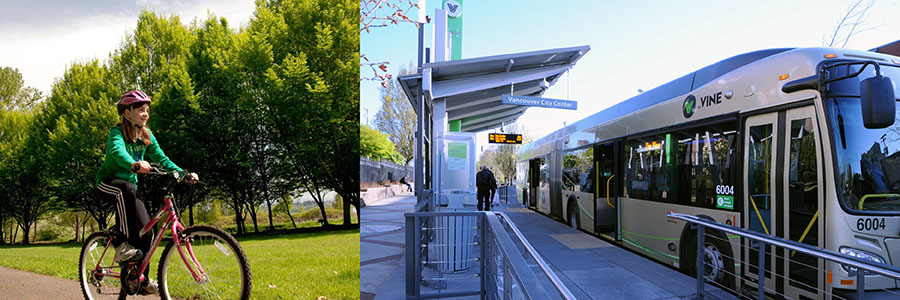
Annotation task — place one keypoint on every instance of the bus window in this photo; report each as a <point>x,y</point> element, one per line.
<point>646,178</point>
<point>759,174</point>
<point>704,165</point>
<point>688,167</point>
<point>576,167</point>
<point>545,169</point>
<point>803,197</point>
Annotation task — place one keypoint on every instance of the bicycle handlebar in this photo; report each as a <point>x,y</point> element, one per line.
<point>156,169</point>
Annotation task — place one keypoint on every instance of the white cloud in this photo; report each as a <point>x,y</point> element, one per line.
<point>55,37</point>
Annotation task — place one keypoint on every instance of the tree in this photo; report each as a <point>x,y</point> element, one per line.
<point>23,171</point>
<point>76,120</point>
<point>13,92</point>
<point>376,146</point>
<point>503,158</point>
<point>850,24</point>
<point>315,94</point>
<point>397,119</point>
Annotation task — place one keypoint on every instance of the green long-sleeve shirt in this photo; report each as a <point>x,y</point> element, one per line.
<point>121,154</point>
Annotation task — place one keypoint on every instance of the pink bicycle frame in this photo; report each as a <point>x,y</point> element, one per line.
<point>174,223</point>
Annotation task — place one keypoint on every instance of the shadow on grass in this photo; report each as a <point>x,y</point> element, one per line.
<point>64,245</point>
<point>251,236</point>
<point>307,232</point>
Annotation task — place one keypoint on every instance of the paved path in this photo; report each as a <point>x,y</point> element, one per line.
<point>21,285</point>
<point>381,244</point>
<point>591,268</point>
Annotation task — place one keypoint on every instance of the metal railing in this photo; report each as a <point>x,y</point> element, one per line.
<point>760,242</point>
<point>470,253</point>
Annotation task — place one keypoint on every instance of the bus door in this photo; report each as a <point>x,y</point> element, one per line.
<point>534,182</point>
<point>803,203</point>
<point>781,183</point>
<point>606,190</point>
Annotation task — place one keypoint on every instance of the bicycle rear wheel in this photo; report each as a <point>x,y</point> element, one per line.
<point>220,256</point>
<point>98,283</point>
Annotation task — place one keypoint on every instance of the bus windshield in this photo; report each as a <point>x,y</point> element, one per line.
<point>867,160</point>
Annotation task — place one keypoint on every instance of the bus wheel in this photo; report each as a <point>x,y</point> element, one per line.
<point>717,259</point>
<point>573,215</point>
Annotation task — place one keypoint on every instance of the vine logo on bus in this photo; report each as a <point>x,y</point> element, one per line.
<point>688,107</point>
<point>690,103</point>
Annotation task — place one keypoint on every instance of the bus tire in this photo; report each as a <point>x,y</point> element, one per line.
<point>572,214</point>
<point>718,258</point>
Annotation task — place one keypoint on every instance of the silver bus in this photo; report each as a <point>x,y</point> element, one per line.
<point>796,143</point>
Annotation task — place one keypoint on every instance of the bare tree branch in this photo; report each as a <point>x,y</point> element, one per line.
<point>852,23</point>
<point>388,12</point>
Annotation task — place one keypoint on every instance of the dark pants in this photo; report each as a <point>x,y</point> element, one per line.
<point>484,199</point>
<point>409,186</point>
<point>130,211</point>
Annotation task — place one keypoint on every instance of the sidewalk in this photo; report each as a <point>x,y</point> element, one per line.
<point>381,243</point>
<point>591,268</point>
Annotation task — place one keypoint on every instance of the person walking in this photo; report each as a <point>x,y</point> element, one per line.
<point>487,186</point>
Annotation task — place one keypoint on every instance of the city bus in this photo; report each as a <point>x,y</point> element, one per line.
<point>798,143</point>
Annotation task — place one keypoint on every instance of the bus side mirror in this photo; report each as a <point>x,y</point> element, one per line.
<point>878,101</point>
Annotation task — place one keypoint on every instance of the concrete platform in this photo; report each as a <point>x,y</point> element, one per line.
<point>591,268</point>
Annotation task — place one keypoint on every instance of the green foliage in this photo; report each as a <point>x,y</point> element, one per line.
<point>13,92</point>
<point>397,119</point>
<point>258,112</point>
<point>375,145</point>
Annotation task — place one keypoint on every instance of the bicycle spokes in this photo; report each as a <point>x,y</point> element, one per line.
<point>97,269</point>
<point>207,267</point>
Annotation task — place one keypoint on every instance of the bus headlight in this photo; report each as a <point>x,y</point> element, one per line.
<point>860,254</point>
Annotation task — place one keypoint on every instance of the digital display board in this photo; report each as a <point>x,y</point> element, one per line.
<point>502,138</point>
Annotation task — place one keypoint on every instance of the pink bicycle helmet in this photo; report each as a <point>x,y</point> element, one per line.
<point>130,99</point>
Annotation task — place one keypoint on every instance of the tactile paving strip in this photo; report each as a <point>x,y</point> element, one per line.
<point>579,241</point>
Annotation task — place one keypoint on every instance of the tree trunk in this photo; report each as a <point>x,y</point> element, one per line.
<point>346,206</point>
<point>253,215</point>
<point>238,221</point>
<point>77,233</point>
<point>289,213</point>
<point>15,235</point>
<point>191,214</point>
<point>271,225</point>
<point>34,236</point>
<point>26,233</point>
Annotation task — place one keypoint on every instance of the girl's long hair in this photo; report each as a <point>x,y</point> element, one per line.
<point>131,133</point>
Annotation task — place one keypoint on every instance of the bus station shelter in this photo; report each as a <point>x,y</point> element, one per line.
<point>466,96</point>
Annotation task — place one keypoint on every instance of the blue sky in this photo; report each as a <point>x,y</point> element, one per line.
<point>634,44</point>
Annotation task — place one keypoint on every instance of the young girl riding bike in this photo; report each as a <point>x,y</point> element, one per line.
<point>128,143</point>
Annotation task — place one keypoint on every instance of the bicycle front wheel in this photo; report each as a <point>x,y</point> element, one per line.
<point>226,271</point>
<point>96,266</point>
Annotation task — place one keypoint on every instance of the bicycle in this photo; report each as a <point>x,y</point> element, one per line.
<point>214,264</point>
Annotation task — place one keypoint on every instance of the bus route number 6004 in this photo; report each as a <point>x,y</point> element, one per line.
<point>869,224</point>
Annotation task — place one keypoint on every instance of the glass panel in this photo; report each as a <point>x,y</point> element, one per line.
<point>578,171</point>
<point>759,155</point>
<point>867,160</point>
<point>803,196</point>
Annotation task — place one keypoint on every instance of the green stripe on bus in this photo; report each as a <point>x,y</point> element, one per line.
<point>649,250</point>
<point>650,237</point>
<point>584,211</point>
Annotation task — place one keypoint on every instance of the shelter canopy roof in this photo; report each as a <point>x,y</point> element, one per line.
<point>472,87</point>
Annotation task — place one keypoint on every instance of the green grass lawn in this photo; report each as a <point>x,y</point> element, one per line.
<point>288,266</point>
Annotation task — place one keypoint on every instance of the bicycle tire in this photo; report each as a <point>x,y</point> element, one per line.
<point>93,242</point>
<point>210,245</point>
